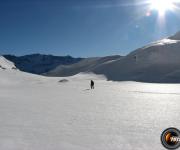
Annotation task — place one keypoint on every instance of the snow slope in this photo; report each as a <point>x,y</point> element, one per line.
<point>5,64</point>
<point>156,62</point>
<point>41,113</point>
<point>176,36</point>
<point>85,65</point>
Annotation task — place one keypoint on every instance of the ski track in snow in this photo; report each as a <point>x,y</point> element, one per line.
<point>39,113</point>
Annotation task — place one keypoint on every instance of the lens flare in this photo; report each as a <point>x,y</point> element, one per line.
<point>161,6</point>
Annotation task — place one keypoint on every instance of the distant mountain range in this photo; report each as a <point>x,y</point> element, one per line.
<point>39,64</point>
<point>50,65</point>
<point>156,62</point>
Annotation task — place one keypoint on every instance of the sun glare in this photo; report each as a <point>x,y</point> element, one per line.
<point>161,5</point>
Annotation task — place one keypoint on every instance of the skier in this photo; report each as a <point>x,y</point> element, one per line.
<point>92,84</point>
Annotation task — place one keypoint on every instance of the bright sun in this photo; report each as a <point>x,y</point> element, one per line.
<point>161,5</point>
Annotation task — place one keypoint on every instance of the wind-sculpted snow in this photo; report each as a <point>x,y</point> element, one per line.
<point>40,113</point>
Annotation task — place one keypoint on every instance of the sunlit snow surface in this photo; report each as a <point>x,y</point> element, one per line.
<point>39,113</point>
<point>162,42</point>
<point>5,64</point>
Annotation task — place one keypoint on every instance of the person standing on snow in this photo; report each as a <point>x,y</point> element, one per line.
<point>92,84</point>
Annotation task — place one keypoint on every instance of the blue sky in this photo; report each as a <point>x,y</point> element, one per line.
<point>80,27</point>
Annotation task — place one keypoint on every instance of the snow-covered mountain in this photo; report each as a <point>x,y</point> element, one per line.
<point>38,63</point>
<point>42,113</point>
<point>85,65</point>
<point>6,64</point>
<point>156,62</point>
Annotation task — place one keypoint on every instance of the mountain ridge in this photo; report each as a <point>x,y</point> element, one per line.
<point>158,61</point>
<point>85,65</point>
<point>40,63</point>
